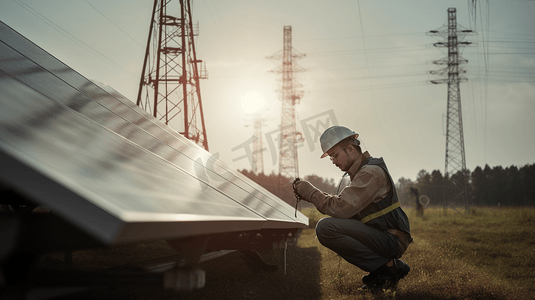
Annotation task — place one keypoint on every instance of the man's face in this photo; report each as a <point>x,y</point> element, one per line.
<point>340,158</point>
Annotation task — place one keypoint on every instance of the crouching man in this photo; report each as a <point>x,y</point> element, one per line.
<point>367,226</point>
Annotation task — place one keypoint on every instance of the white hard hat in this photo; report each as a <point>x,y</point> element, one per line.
<point>333,136</point>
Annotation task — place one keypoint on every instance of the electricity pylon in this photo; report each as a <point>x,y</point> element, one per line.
<point>290,97</point>
<point>455,173</point>
<point>169,85</point>
<point>258,156</point>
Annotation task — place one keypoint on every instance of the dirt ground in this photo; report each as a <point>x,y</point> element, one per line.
<point>229,277</point>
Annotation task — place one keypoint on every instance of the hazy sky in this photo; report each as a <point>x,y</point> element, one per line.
<point>367,67</point>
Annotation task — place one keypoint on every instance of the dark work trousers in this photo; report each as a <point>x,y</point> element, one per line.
<point>361,245</point>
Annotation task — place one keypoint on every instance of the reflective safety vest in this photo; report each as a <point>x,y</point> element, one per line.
<point>387,213</point>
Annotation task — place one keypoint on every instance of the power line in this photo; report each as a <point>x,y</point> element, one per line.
<point>364,36</point>
<point>353,51</point>
<point>353,88</point>
<point>382,76</point>
<point>365,52</point>
<point>132,38</point>
<point>223,36</point>
<point>376,67</point>
<point>65,33</point>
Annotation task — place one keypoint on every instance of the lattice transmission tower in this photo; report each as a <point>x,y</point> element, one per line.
<point>291,94</point>
<point>258,150</point>
<point>169,86</point>
<point>455,173</point>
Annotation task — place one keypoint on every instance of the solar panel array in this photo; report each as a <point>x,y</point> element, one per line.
<point>109,168</point>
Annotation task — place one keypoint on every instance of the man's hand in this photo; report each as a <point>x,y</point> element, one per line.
<point>304,189</point>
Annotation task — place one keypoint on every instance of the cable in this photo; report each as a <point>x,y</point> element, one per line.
<point>113,23</point>
<point>485,55</point>
<point>377,87</point>
<point>358,37</point>
<point>377,67</point>
<point>66,33</point>
<point>397,49</point>
<point>366,54</point>
<point>218,27</point>
<point>380,76</point>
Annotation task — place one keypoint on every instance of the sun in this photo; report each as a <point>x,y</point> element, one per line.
<point>252,102</point>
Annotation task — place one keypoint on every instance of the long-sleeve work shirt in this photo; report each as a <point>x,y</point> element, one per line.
<point>369,184</point>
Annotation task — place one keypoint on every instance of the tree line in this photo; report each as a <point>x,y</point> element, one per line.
<point>512,186</point>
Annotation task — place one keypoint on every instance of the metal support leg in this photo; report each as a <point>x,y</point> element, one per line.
<point>283,246</point>
<point>284,251</point>
<point>187,276</point>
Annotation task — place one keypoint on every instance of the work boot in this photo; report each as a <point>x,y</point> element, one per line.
<point>373,282</point>
<point>394,273</point>
<point>371,278</point>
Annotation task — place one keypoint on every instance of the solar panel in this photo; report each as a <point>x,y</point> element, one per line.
<point>109,168</point>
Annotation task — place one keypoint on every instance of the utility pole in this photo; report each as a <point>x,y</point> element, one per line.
<point>290,97</point>
<point>169,84</point>
<point>455,173</point>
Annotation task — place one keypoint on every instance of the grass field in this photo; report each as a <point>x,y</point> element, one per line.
<point>496,241</point>
<point>489,254</point>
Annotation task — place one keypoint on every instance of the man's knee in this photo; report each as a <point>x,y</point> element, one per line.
<point>324,229</point>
